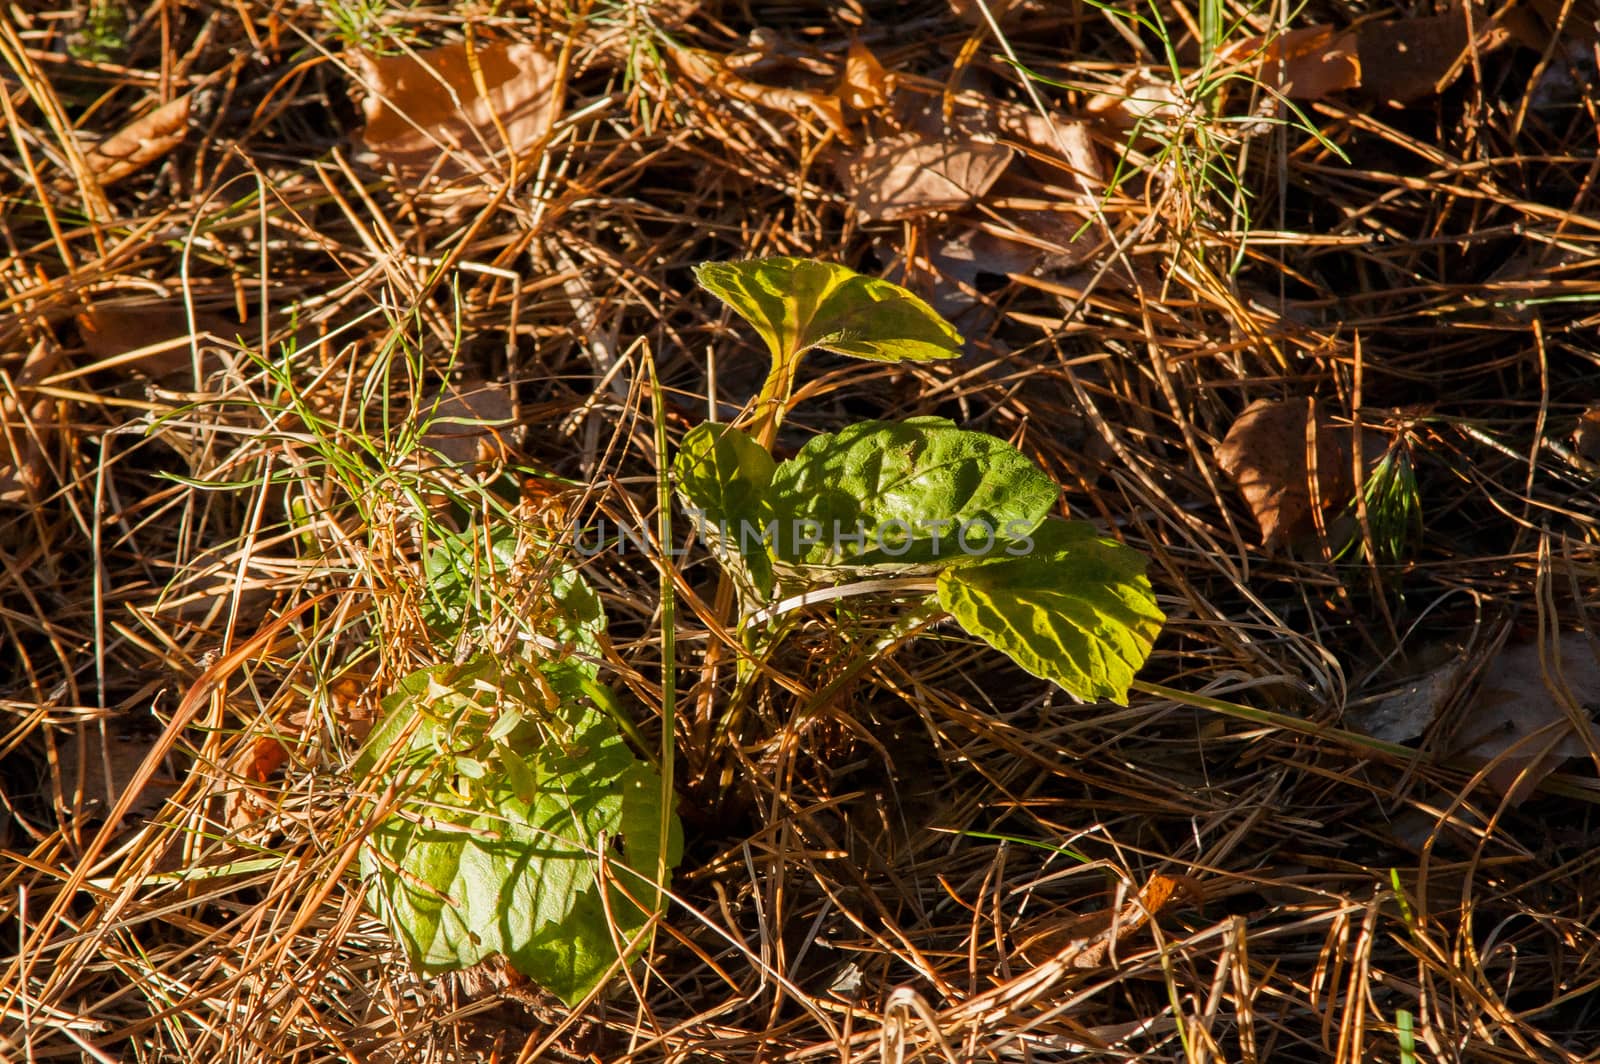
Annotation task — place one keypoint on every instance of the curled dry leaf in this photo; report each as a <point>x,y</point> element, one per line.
<point>429,114</point>
<point>141,142</point>
<point>908,175</point>
<point>865,84</point>
<point>1266,452</point>
<point>711,72</point>
<point>29,423</point>
<point>1395,60</point>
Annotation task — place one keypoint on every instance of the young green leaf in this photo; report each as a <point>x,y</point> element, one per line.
<point>1076,610</point>
<point>723,475</point>
<point>514,868</point>
<point>917,492</point>
<point>459,588</point>
<point>797,304</point>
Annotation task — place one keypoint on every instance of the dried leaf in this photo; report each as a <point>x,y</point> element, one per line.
<point>1304,64</point>
<point>1141,96</point>
<point>958,260</point>
<point>1057,138</point>
<point>1395,60</point>
<point>907,175</point>
<point>152,338</point>
<point>709,71</point>
<point>1406,59</point>
<point>427,113</point>
<point>109,765</point>
<point>141,142</point>
<point>1266,452</point>
<point>865,85</point>
<point>28,425</point>
<point>1086,941</point>
<point>465,427</point>
<point>1515,721</point>
<point>1518,720</point>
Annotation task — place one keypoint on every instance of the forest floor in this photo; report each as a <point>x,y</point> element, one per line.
<point>1303,309</point>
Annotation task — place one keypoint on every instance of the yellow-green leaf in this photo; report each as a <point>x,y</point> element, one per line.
<point>797,304</point>
<point>722,476</point>
<point>1077,610</point>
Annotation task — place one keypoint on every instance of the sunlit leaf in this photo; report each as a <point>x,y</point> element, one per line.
<point>512,865</point>
<point>904,493</point>
<point>798,304</point>
<point>722,475</point>
<point>1077,609</point>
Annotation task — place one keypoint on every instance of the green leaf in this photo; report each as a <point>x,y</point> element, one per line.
<point>461,586</point>
<point>915,492</point>
<point>723,474</point>
<point>510,863</point>
<point>797,304</point>
<point>1077,610</point>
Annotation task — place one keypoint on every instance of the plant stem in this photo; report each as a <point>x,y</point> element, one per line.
<point>669,634</point>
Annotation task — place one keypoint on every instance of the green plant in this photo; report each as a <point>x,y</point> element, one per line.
<point>522,824</point>
<point>507,813</point>
<point>513,819</point>
<point>960,514</point>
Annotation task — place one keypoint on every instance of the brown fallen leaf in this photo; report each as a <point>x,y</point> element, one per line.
<point>1266,452</point>
<point>1403,60</point>
<point>1303,64</point>
<point>151,338</point>
<point>710,72</point>
<point>429,116</point>
<point>465,426</point>
<point>1515,722</point>
<point>959,259</point>
<point>1397,61</point>
<point>143,141</point>
<point>96,767</point>
<point>1086,941</point>
<point>1518,722</point>
<point>30,424</point>
<point>1057,139</point>
<point>865,84</point>
<point>1140,97</point>
<point>908,175</point>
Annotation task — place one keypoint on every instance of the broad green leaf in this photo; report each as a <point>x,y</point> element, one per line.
<point>1076,610</point>
<point>797,304</point>
<point>510,863</point>
<point>723,475</point>
<point>917,492</point>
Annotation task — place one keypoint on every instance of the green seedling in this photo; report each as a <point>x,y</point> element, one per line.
<point>962,514</point>
<point>525,828</point>
<point>513,818</point>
